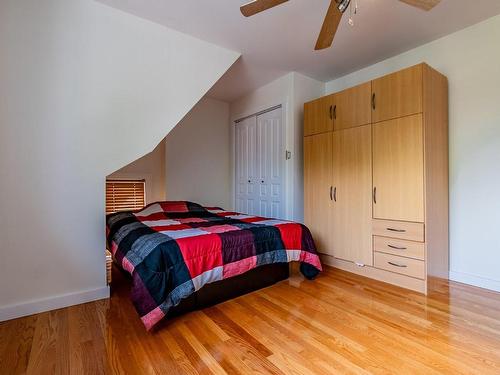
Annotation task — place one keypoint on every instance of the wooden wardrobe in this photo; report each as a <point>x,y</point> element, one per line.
<point>376,177</point>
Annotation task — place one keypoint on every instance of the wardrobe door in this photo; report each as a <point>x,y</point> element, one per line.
<point>271,164</point>
<point>353,107</point>
<point>397,95</point>
<point>246,166</point>
<point>352,202</point>
<point>398,169</point>
<point>318,116</point>
<point>317,189</point>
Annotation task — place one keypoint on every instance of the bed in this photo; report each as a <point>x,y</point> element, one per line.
<point>182,256</point>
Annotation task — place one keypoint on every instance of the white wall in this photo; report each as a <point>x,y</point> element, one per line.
<point>197,156</point>
<point>290,91</point>
<point>471,60</point>
<point>85,89</point>
<point>151,168</point>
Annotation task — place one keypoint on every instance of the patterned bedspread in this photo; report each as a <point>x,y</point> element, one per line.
<point>172,249</point>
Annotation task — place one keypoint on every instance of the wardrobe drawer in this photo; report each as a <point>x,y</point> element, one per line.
<point>405,266</point>
<point>398,229</point>
<point>399,247</point>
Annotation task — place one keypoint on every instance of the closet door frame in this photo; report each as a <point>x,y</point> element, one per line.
<point>288,203</point>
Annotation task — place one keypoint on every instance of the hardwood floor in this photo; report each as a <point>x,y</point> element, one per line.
<point>338,324</point>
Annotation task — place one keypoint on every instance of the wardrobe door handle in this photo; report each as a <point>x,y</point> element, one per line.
<point>375,195</point>
<point>335,194</point>
<point>373,101</point>
<point>331,189</point>
<point>396,230</point>
<point>397,265</point>
<point>331,112</point>
<point>335,111</point>
<point>396,247</point>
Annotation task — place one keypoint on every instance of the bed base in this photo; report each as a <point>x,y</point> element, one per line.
<point>223,290</point>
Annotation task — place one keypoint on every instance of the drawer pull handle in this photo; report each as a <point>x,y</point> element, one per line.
<point>397,265</point>
<point>396,247</point>
<point>396,230</point>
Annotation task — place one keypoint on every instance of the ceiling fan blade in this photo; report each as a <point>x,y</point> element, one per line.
<point>329,28</point>
<point>258,6</point>
<point>422,4</point>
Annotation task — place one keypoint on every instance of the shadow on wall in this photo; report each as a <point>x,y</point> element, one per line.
<point>151,169</point>
<point>192,162</point>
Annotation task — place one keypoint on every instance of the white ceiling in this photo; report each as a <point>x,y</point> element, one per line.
<point>282,39</point>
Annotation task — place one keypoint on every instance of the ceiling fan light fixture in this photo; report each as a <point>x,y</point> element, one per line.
<point>342,5</point>
<point>334,14</point>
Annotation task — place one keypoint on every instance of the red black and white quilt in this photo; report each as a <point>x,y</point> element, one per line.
<point>172,249</point>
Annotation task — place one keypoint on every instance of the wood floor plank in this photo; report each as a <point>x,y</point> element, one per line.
<point>236,331</point>
<point>317,342</point>
<point>14,359</point>
<point>218,349</point>
<point>195,358</point>
<point>45,348</point>
<point>148,347</point>
<point>390,341</point>
<point>180,358</point>
<point>340,323</point>
<point>442,330</point>
<point>246,358</point>
<point>367,359</point>
<point>211,363</point>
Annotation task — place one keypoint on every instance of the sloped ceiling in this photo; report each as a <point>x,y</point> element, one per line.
<point>282,39</point>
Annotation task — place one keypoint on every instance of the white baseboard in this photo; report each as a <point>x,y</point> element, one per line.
<point>52,303</point>
<point>474,280</point>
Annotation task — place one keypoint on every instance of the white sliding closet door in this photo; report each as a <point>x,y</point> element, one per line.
<point>246,166</point>
<point>260,165</point>
<point>271,158</point>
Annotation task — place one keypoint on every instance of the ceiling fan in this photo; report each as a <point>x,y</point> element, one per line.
<point>332,18</point>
